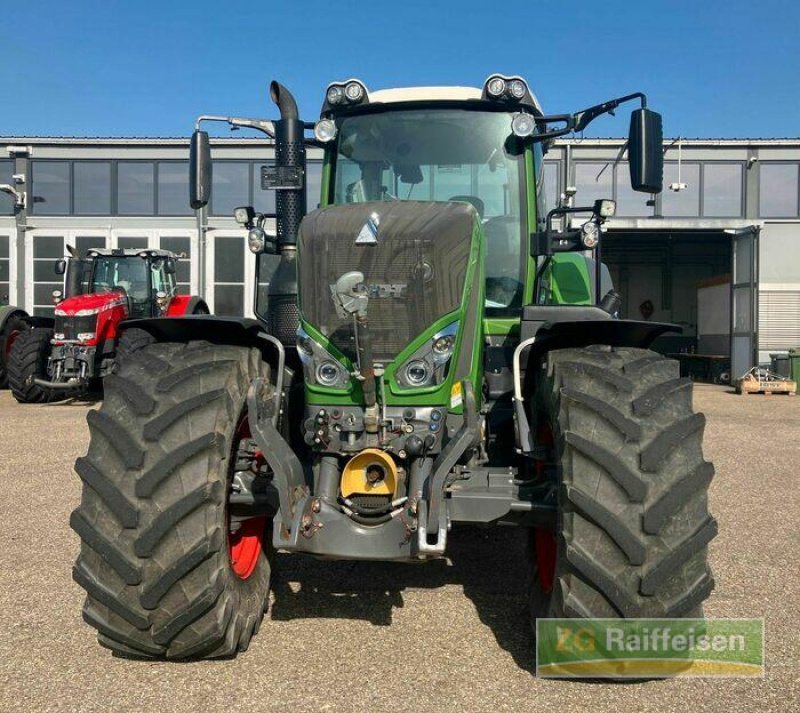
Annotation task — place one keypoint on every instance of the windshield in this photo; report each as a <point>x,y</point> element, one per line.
<point>131,274</point>
<point>443,155</point>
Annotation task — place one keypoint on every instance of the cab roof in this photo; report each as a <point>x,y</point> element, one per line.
<point>127,252</point>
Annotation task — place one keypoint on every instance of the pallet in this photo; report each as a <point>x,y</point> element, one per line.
<point>751,385</point>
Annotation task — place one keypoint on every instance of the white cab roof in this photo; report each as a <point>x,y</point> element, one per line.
<point>416,94</point>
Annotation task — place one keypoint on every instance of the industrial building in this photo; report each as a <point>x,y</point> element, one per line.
<point>718,252</point>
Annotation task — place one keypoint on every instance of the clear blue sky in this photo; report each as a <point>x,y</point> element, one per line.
<point>148,67</point>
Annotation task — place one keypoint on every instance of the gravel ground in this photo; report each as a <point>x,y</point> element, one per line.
<point>372,636</point>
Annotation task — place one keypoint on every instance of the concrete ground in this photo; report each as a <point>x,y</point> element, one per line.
<point>447,635</point>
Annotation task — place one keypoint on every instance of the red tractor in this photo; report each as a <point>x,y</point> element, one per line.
<point>70,357</point>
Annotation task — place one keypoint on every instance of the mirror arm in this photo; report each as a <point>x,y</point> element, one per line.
<point>583,118</point>
<point>236,122</point>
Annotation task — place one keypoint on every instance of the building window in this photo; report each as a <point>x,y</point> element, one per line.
<point>91,187</point>
<point>89,242</point>
<point>630,203</point>
<point>46,250</point>
<point>173,188</point>
<point>182,247</point>
<point>135,188</point>
<point>228,275</point>
<point>231,186</point>
<point>681,202</point>
<point>6,201</point>
<point>50,187</point>
<point>5,270</point>
<point>593,181</point>
<point>552,185</point>
<point>722,190</point>
<point>778,188</point>
<point>132,242</point>
<point>263,201</point>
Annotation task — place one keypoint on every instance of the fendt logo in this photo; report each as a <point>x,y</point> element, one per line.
<point>369,233</point>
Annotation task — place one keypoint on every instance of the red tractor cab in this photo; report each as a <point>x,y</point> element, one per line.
<point>101,290</point>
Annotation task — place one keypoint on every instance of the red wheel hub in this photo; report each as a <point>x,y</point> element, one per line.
<point>245,545</point>
<point>10,339</point>
<point>545,542</point>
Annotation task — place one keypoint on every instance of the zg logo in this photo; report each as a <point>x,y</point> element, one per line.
<point>575,640</point>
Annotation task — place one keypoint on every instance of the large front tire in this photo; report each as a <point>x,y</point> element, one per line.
<point>156,549</point>
<point>27,360</point>
<point>626,454</point>
<point>13,327</point>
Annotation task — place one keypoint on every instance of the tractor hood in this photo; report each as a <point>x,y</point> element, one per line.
<point>414,257</point>
<point>84,305</point>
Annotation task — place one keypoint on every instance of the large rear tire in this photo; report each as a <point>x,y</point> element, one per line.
<point>626,454</point>
<point>27,360</point>
<point>163,574</point>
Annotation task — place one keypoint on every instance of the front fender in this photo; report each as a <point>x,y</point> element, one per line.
<point>232,331</point>
<point>182,305</point>
<point>545,328</point>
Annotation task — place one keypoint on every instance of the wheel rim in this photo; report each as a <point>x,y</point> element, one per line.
<point>245,545</point>
<point>545,539</point>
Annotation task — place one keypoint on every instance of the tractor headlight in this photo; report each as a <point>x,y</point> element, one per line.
<point>496,86</point>
<point>605,208</point>
<point>590,234</point>
<point>418,373</point>
<point>342,94</point>
<point>327,373</point>
<point>516,88</point>
<point>319,366</point>
<point>443,346</point>
<point>85,336</point>
<point>305,346</point>
<point>325,130</point>
<point>335,94</point>
<point>354,91</point>
<point>428,365</point>
<point>522,125</point>
<point>256,240</point>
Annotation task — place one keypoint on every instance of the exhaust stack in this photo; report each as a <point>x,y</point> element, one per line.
<point>290,206</point>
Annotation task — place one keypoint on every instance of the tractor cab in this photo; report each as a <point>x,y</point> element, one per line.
<point>137,275</point>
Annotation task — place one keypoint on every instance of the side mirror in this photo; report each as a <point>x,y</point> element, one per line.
<point>199,170</point>
<point>169,267</point>
<point>409,173</point>
<point>646,152</point>
<point>60,267</point>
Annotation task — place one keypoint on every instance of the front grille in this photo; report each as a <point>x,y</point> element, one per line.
<point>71,327</point>
<point>414,273</point>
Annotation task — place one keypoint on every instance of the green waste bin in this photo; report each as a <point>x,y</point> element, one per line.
<point>781,365</point>
<point>794,358</point>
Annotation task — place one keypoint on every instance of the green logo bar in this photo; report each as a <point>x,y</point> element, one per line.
<point>649,648</point>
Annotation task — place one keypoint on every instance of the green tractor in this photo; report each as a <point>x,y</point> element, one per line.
<point>432,350</point>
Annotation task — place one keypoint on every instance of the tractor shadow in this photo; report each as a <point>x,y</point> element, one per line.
<point>489,564</point>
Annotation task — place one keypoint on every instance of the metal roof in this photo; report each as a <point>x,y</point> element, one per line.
<point>8,141</point>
